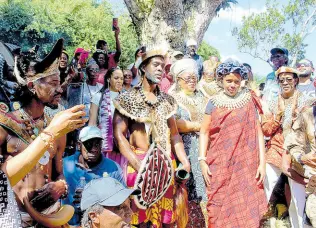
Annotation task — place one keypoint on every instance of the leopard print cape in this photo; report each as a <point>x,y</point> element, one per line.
<point>132,105</point>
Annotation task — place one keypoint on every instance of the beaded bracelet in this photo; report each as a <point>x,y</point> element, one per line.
<point>50,142</point>
<point>63,196</point>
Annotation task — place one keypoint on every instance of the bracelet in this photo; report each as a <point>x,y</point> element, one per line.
<point>50,142</point>
<point>63,196</point>
<point>201,158</point>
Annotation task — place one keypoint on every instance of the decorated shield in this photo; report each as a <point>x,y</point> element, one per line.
<point>154,177</point>
<point>74,94</point>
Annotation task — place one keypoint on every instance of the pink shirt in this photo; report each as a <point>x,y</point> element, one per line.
<point>165,85</point>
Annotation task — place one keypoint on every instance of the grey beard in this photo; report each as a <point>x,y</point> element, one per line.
<point>151,78</point>
<point>304,75</point>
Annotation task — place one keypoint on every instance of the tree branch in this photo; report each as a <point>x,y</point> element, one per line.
<point>204,12</point>
<point>255,56</point>
<point>133,9</point>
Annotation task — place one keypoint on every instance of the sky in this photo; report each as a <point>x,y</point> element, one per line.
<point>219,33</point>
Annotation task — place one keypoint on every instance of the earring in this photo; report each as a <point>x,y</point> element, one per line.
<point>108,84</point>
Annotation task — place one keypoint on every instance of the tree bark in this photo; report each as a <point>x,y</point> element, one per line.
<point>171,22</point>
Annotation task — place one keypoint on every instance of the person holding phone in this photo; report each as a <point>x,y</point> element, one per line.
<point>105,59</point>
<point>39,87</point>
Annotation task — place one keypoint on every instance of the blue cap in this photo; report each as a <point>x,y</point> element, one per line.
<point>282,50</point>
<point>105,191</point>
<point>89,132</point>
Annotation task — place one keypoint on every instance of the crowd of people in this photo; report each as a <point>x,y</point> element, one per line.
<point>170,141</point>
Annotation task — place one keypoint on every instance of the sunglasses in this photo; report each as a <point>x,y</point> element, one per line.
<point>276,56</point>
<point>289,80</point>
<point>303,65</point>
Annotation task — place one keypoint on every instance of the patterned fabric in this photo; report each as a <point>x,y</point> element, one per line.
<point>278,131</point>
<point>234,199</point>
<point>287,118</point>
<point>196,188</point>
<point>301,141</point>
<point>161,212</point>
<point>154,177</point>
<point>106,125</point>
<point>272,128</point>
<point>9,212</point>
<point>232,66</point>
<point>197,215</point>
<point>132,105</point>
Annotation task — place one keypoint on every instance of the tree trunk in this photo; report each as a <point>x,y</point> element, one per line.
<point>169,23</point>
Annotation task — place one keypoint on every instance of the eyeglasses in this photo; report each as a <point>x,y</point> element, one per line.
<point>94,70</point>
<point>276,56</point>
<point>189,79</point>
<point>127,76</point>
<point>289,80</point>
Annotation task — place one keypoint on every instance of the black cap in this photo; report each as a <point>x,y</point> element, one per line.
<point>282,50</point>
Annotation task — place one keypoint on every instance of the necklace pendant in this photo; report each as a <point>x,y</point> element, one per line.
<point>44,159</point>
<point>33,137</point>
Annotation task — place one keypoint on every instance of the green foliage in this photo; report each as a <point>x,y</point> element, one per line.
<point>145,5</point>
<point>278,26</point>
<point>205,50</point>
<point>80,22</point>
<point>259,79</point>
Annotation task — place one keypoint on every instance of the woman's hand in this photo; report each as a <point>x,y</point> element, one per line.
<point>67,121</point>
<point>261,175</point>
<point>206,172</point>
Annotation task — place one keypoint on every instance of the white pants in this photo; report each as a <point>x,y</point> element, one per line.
<point>272,176</point>
<point>298,199</point>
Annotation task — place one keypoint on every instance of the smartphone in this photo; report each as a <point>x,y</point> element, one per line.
<point>114,24</point>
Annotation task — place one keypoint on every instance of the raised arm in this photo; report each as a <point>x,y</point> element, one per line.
<point>120,127</point>
<point>118,45</point>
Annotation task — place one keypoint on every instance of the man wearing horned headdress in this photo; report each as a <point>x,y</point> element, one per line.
<point>39,86</point>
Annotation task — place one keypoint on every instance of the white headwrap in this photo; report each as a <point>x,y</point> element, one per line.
<point>183,65</point>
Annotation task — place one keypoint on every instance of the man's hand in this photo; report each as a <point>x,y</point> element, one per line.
<point>117,31</point>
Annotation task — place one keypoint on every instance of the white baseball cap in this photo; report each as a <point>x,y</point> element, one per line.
<point>89,132</point>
